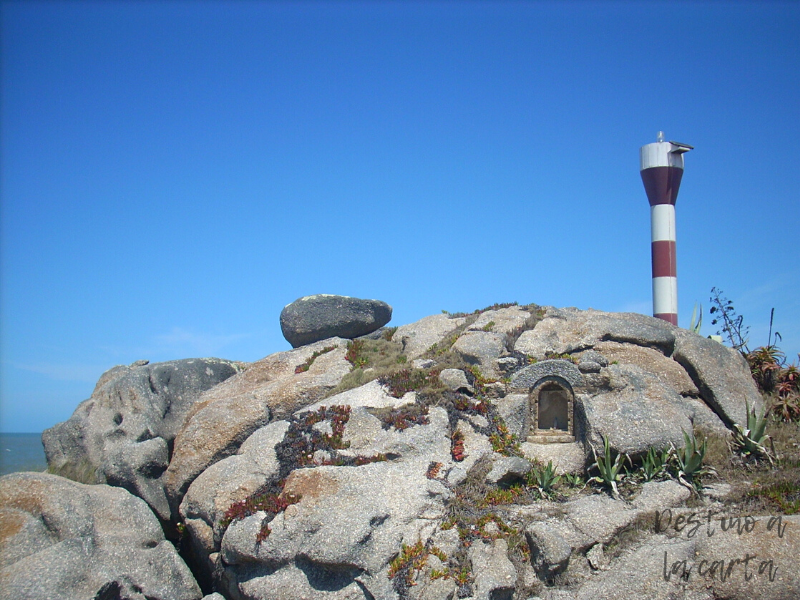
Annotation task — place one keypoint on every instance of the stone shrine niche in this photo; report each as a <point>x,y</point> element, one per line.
<point>552,408</point>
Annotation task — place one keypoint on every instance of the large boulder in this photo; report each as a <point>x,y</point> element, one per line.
<point>721,374</point>
<point>418,337</point>
<point>123,433</point>
<point>226,482</point>
<point>313,318</point>
<point>72,541</point>
<point>228,414</point>
<point>568,330</point>
<point>350,522</point>
<point>481,348</point>
<point>636,412</point>
<point>502,320</point>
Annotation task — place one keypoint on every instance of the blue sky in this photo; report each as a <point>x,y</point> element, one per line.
<point>174,173</point>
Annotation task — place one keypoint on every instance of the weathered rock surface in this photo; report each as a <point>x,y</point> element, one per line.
<point>550,552</point>
<point>636,413</point>
<point>67,540</point>
<point>568,330</point>
<point>396,503</point>
<point>227,414</point>
<point>502,320</point>
<point>756,565</point>
<point>314,318</point>
<point>389,471</point>
<point>495,575</point>
<point>481,348</point>
<point>508,469</point>
<point>456,380</point>
<point>418,337</point>
<point>721,374</point>
<point>670,372</point>
<point>124,431</point>
<point>226,482</point>
<point>566,457</point>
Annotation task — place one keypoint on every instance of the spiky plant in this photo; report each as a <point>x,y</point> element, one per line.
<point>544,478</point>
<point>752,440</point>
<point>609,467</point>
<point>655,464</point>
<point>689,462</point>
<point>697,321</point>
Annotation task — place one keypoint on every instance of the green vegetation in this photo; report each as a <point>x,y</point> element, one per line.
<point>654,464</point>
<point>688,462</point>
<point>751,442</point>
<point>544,478</point>
<point>609,467</point>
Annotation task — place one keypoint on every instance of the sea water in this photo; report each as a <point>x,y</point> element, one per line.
<point>21,452</point>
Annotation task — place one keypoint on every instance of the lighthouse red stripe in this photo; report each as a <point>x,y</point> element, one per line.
<point>671,317</point>
<point>662,184</point>
<point>665,262</point>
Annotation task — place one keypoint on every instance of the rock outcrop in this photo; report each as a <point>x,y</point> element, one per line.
<point>71,541</point>
<point>394,475</point>
<point>123,433</point>
<point>313,318</point>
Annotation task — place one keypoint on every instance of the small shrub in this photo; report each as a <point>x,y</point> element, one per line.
<point>433,470</point>
<point>269,502</point>
<point>403,417</point>
<point>355,354</point>
<point>457,446</point>
<point>784,496</point>
<point>502,440</point>
<point>502,496</point>
<point>573,480</point>
<point>410,559</point>
<point>407,380</point>
<point>729,322</point>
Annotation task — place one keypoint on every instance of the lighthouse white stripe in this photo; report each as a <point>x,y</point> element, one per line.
<point>662,223</point>
<point>659,154</point>
<point>665,295</point>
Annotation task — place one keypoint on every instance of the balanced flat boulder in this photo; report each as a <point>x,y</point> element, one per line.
<point>313,318</point>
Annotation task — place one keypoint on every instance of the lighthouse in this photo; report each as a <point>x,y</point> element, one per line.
<point>661,167</point>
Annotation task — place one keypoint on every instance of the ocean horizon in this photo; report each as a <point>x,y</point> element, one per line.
<point>21,452</point>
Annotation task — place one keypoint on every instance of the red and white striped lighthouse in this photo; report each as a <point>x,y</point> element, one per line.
<point>661,167</point>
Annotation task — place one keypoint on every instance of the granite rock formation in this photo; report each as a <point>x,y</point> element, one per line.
<point>304,476</point>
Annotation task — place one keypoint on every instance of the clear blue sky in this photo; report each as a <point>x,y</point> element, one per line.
<point>174,173</point>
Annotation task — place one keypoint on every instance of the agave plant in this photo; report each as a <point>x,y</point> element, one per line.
<point>697,320</point>
<point>609,467</point>
<point>655,463</point>
<point>544,478</point>
<point>752,441</point>
<point>689,462</point>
